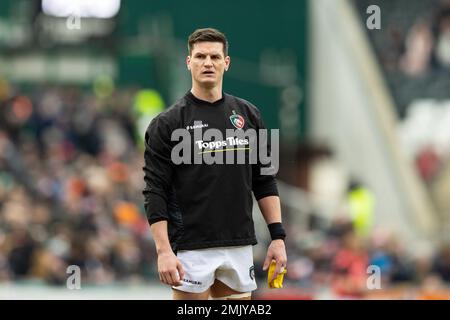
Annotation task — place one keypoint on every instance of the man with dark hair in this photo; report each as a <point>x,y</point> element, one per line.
<point>208,35</point>
<point>200,214</point>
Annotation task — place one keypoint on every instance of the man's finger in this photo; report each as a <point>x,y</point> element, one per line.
<point>267,262</point>
<point>277,270</point>
<point>164,278</point>
<point>180,270</point>
<point>168,278</point>
<point>176,277</point>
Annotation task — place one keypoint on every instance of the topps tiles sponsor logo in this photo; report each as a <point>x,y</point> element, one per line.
<point>230,141</point>
<point>237,147</point>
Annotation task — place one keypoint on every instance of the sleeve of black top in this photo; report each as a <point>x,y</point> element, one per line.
<point>157,169</point>
<point>262,185</point>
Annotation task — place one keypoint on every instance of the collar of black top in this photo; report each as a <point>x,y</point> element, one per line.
<point>196,100</point>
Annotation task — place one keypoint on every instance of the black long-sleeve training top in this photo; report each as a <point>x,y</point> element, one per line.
<point>206,205</point>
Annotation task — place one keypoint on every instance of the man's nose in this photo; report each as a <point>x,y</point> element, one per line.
<point>208,61</point>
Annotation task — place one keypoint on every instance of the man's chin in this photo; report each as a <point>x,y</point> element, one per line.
<point>208,84</point>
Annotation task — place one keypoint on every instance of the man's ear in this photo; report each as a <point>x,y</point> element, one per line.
<point>188,60</point>
<point>227,63</point>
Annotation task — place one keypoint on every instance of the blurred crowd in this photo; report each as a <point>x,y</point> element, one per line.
<point>70,188</point>
<point>414,41</point>
<point>335,256</point>
<point>413,49</point>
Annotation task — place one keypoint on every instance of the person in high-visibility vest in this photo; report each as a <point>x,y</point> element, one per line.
<point>148,103</point>
<point>361,203</point>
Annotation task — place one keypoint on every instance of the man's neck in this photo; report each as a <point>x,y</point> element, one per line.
<point>207,94</point>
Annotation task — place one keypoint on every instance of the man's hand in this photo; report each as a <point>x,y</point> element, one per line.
<point>277,252</point>
<point>170,269</point>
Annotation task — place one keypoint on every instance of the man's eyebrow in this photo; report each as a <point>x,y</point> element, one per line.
<point>213,54</point>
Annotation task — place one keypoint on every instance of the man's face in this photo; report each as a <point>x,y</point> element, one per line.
<point>207,63</point>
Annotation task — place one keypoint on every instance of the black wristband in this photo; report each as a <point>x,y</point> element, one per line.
<point>277,231</point>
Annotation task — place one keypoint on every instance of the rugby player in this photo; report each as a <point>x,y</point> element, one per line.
<point>200,214</point>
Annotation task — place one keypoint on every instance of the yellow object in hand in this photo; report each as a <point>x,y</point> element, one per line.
<point>278,281</point>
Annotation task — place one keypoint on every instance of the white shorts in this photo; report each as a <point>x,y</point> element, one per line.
<point>231,265</point>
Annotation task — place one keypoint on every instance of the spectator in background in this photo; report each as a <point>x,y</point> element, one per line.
<point>349,267</point>
<point>361,204</point>
<point>443,42</point>
<point>441,263</point>
<point>418,49</point>
<point>439,28</point>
